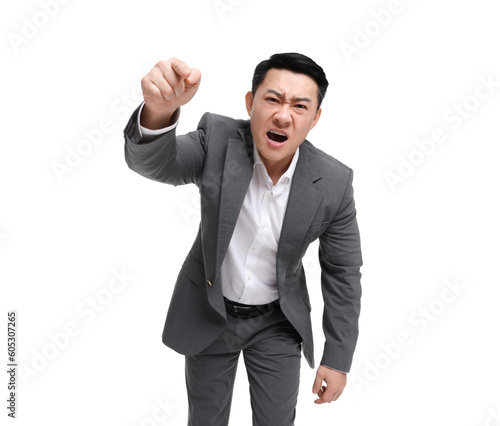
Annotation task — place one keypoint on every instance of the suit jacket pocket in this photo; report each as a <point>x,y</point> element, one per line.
<point>316,230</point>
<point>194,270</point>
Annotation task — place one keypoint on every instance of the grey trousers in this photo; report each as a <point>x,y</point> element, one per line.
<point>271,351</point>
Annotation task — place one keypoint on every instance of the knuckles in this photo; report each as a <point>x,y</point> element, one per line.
<point>165,64</point>
<point>145,82</point>
<point>165,81</point>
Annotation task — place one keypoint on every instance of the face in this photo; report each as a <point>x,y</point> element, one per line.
<point>283,110</point>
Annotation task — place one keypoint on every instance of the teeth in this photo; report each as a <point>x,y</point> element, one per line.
<point>278,133</point>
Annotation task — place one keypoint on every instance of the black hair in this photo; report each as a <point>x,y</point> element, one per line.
<point>294,62</point>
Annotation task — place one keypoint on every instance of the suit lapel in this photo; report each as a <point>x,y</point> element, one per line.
<point>238,171</point>
<point>303,202</point>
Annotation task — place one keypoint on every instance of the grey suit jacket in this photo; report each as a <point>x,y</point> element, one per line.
<point>218,159</point>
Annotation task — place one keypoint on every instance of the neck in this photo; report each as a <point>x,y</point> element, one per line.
<point>276,169</point>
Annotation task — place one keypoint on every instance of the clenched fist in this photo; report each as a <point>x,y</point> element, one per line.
<point>168,86</point>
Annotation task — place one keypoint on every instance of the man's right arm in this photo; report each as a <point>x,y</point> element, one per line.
<point>151,147</point>
<point>168,86</point>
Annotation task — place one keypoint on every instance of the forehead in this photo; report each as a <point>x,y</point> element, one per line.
<point>290,84</point>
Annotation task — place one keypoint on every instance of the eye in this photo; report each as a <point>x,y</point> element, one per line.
<point>271,99</point>
<point>300,106</point>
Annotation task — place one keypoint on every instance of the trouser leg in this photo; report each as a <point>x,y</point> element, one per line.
<point>273,368</point>
<point>271,349</point>
<point>209,382</point>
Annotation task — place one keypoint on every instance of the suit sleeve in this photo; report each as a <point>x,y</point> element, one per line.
<point>340,260</point>
<point>167,158</point>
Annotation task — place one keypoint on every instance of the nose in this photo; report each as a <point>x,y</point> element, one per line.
<point>282,115</point>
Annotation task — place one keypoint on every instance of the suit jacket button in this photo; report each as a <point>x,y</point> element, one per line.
<point>209,283</point>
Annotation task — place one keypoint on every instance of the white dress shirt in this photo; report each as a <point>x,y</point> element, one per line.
<point>248,271</point>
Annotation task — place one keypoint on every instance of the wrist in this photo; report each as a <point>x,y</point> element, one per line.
<point>333,369</point>
<point>154,119</point>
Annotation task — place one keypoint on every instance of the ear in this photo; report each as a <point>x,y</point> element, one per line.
<point>316,118</point>
<point>249,102</point>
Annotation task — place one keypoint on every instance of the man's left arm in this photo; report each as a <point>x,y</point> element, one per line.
<point>340,260</point>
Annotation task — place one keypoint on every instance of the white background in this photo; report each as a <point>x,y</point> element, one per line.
<point>63,235</point>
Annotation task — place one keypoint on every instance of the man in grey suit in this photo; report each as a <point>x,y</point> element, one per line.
<point>266,194</point>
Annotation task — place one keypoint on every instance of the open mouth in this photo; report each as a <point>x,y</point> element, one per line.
<point>276,136</point>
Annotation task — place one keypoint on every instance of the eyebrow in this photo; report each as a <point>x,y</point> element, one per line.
<point>297,99</point>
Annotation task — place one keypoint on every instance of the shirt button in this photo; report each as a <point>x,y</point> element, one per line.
<point>209,283</point>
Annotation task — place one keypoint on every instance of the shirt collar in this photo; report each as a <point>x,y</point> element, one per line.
<point>291,168</point>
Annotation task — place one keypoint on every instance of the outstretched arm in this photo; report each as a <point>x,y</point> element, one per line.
<point>165,157</point>
<point>168,86</point>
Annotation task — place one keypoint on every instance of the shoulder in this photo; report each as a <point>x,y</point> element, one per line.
<point>326,163</point>
<point>217,124</point>
<point>218,132</point>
